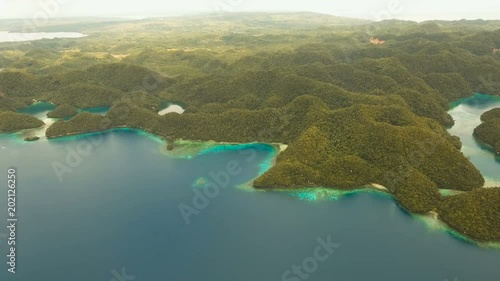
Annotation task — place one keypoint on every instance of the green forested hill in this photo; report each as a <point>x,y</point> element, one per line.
<point>489,131</point>
<point>353,113</point>
<point>490,115</point>
<point>84,122</point>
<point>63,111</point>
<point>12,122</point>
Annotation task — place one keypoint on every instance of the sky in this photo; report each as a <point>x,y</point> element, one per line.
<point>418,10</point>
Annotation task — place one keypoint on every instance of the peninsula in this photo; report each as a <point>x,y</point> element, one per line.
<point>352,113</point>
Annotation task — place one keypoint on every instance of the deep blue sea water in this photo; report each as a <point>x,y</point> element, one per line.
<point>113,213</point>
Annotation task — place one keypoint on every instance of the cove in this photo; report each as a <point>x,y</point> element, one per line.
<point>119,209</point>
<point>40,110</point>
<point>467,113</point>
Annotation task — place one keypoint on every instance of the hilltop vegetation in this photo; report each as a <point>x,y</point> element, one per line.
<point>12,122</point>
<point>84,122</point>
<point>352,113</point>
<point>489,131</point>
<point>490,115</point>
<point>474,214</point>
<point>63,111</point>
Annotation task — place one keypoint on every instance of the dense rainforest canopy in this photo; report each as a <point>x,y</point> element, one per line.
<point>63,111</point>
<point>353,113</point>
<point>12,122</point>
<point>489,131</point>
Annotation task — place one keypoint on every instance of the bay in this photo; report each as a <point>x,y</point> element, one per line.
<point>116,209</point>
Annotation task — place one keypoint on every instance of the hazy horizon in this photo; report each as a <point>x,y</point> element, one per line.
<point>373,10</point>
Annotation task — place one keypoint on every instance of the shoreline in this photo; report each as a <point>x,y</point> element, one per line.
<point>193,148</point>
<point>486,146</point>
<point>452,105</point>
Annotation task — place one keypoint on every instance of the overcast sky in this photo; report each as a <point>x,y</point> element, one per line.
<point>371,9</point>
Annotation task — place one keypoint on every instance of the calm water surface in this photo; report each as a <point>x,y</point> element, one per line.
<point>467,114</point>
<point>117,207</point>
<point>40,110</point>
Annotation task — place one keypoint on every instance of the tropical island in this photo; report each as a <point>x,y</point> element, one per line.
<point>489,131</point>
<point>63,111</point>
<point>32,138</point>
<point>12,122</point>
<point>353,113</point>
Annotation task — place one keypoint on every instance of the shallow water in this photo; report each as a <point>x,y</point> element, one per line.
<point>467,116</point>
<point>40,110</point>
<point>117,206</point>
